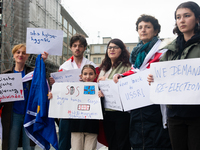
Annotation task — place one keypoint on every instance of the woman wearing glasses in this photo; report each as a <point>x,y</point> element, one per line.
<point>116,123</point>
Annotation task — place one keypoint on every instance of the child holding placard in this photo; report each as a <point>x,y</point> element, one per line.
<point>84,132</point>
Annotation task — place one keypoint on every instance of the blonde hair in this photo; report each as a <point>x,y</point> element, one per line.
<point>17,47</point>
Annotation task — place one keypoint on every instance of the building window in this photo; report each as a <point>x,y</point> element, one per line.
<point>65,23</point>
<point>74,31</point>
<point>60,18</point>
<point>64,51</point>
<point>96,49</point>
<point>69,38</point>
<point>95,60</point>
<point>70,28</point>
<point>105,48</point>
<point>65,37</point>
<point>99,60</point>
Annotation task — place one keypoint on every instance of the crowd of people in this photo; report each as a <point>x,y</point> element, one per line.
<point>140,129</point>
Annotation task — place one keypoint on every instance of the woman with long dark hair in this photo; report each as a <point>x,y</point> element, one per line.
<point>184,120</point>
<point>116,123</point>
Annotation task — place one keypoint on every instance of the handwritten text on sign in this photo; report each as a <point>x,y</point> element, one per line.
<point>111,94</point>
<point>134,91</point>
<point>67,75</point>
<point>176,82</point>
<point>11,88</point>
<point>39,40</point>
<point>75,100</point>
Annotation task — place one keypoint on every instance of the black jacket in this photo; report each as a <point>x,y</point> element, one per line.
<point>146,129</point>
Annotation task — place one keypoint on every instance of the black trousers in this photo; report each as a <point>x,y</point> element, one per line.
<point>116,127</point>
<point>184,133</point>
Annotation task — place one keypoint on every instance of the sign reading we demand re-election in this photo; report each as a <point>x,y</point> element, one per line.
<point>176,82</point>
<point>11,88</point>
<point>75,100</point>
<point>39,40</point>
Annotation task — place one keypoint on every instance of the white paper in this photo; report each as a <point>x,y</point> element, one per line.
<point>11,88</point>
<point>176,82</point>
<point>134,91</point>
<point>111,95</point>
<point>75,100</point>
<point>67,75</point>
<point>39,40</point>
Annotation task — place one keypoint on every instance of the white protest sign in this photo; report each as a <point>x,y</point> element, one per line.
<point>67,75</point>
<point>176,82</point>
<point>75,100</point>
<point>39,40</point>
<point>11,88</point>
<point>134,91</point>
<point>111,95</point>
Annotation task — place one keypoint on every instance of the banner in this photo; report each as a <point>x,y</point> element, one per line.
<point>176,82</point>
<point>75,100</point>
<point>11,88</point>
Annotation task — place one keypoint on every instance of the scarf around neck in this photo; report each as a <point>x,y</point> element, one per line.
<point>140,51</point>
<point>182,44</point>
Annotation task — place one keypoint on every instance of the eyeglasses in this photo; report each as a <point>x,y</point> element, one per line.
<point>114,47</point>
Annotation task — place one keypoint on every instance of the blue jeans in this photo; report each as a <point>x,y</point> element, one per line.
<point>16,127</point>
<point>64,134</point>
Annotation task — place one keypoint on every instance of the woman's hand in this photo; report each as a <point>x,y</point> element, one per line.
<point>45,56</point>
<point>51,80</point>
<point>100,94</point>
<point>116,77</point>
<point>101,79</point>
<point>50,95</point>
<point>150,78</point>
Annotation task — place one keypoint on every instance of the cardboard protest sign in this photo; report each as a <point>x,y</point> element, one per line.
<point>176,82</point>
<point>111,95</point>
<point>11,88</point>
<point>134,91</point>
<point>75,100</point>
<point>39,40</point>
<point>67,75</point>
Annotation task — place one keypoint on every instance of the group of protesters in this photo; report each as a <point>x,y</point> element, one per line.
<point>140,129</point>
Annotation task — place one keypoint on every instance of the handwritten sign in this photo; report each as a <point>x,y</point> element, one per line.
<point>11,88</point>
<point>134,91</point>
<point>111,94</point>
<point>67,75</point>
<point>176,82</point>
<point>39,40</point>
<point>75,100</point>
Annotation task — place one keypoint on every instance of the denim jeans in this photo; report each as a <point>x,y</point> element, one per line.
<point>64,134</point>
<point>16,127</point>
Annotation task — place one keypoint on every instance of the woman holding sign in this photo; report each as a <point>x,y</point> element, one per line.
<point>13,112</point>
<point>184,120</point>
<point>116,123</point>
<point>146,126</point>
